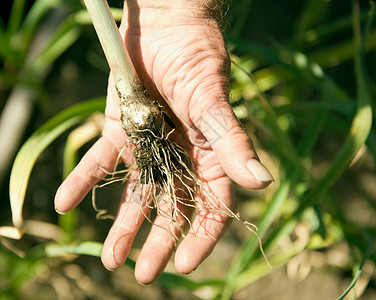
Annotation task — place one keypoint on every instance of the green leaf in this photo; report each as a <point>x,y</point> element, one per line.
<point>34,146</point>
<point>358,135</point>
<point>359,269</point>
<point>4,45</point>
<point>65,36</point>
<point>166,280</point>
<point>174,281</point>
<point>312,14</point>
<point>82,16</point>
<point>33,18</point>
<point>242,8</point>
<point>15,17</point>
<point>15,271</point>
<point>243,259</point>
<point>76,139</point>
<point>83,248</point>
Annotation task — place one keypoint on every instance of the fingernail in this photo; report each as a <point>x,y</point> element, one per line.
<point>108,269</point>
<point>259,171</point>
<point>59,212</point>
<point>140,283</point>
<point>191,271</point>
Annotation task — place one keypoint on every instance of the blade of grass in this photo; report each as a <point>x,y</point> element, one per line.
<point>8,33</point>
<point>33,147</point>
<point>269,77</point>
<point>350,230</point>
<point>4,44</point>
<point>242,9</point>
<point>321,33</point>
<point>166,280</point>
<point>64,37</point>
<point>367,30</point>
<point>83,248</point>
<point>41,7</point>
<point>15,17</point>
<point>247,254</point>
<point>358,134</point>
<point>15,271</point>
<point>371,145</point>
<point>11,232</point>
<point>32,20</point>
<point>359,269</point>
<point>316,123</point>
<point>346,109</point>
<point>83,17</point>
<point>76,139</point>
<point>341,52</point>
<point>305,147</point>
<point>243,258</point>
<point>288,150</point>
<point>259,269</point>
<point>312,13</point>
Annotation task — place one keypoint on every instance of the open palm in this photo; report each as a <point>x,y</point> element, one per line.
<point>180,57</point>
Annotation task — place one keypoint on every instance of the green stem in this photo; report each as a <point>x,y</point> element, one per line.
<point>120,63</point>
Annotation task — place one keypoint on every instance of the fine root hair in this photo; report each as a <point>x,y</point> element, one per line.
<point>166,178</point>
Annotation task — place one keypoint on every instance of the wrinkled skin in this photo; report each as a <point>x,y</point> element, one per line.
<point>180,56</point>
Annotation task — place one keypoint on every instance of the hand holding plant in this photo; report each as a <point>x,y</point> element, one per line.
<point>179,54</point>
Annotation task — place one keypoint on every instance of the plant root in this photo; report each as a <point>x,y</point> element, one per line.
<point>162,170</point>
<point>164,173</point>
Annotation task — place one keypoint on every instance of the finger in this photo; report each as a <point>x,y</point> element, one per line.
<point>131,214</point>
<point>211,221</point>
<point>206,91</point>
<point>233,147</point>
<point>86,174</point>
<point>160,243</point>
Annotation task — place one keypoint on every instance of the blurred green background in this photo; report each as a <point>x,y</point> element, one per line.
<point>302,83</point>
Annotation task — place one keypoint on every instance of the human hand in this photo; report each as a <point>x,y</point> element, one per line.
<point>180,57</point>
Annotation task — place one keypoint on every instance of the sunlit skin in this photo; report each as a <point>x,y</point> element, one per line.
<point>180,57</point>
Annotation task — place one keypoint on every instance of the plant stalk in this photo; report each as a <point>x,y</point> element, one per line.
<point>112,43</point>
